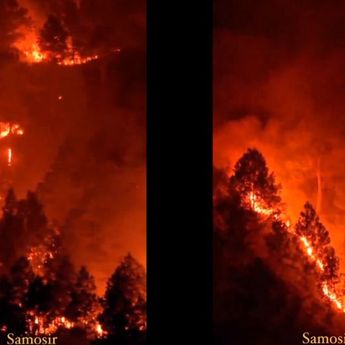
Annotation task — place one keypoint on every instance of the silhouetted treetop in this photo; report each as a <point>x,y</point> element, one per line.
<point>251,174</point>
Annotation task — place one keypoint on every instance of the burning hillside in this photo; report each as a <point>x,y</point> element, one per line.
<point>72,131</point>
<point>253,227</point>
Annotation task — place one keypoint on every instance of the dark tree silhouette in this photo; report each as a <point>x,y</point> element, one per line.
<point>84,303</point>
<point>251,175</point>
<point>21,276</point>
<point>11,231</point>
<point>39,296</point>
<point>12,317</point>
<point>23,225</point>
<point>62,280</point>
<point>311,228</point>
<point>331,264</point>
<point>34,220</point>
<point>125,307</point>
<point>11,203</point>
<point>53,36</point>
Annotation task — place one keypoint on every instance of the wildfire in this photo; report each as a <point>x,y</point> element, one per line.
<point>31,53</point>
<point>41,325</point>
<point>258,206</point>
<point>9,129</point>
<point>34,54</point>
<point>9,157</point>
<point>71,58</point>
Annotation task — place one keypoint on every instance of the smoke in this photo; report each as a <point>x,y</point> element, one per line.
<point>278,81</point>
<point>83,150</point>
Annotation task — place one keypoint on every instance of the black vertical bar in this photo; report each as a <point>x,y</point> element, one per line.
<point>179,168</point>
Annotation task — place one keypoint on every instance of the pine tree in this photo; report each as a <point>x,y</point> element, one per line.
<point>12,243</point>
<point>331,264</point>
<point>85,303</point>
<point>62,279</point>
<point>11,203</point>
<point>39,296</point>
<point>53,36</point>
<point>21,276</point>
<point>33,216</point>
<point>310,227</point>
<point>125,300</point>
<point>251,175</point>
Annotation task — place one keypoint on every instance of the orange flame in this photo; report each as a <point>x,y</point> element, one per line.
<point>7,128</point>
<point>9,157</point>
<point>259,208</point>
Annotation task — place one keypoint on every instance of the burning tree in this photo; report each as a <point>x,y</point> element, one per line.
<point>313,232</point>
<point>41,292</point>
<point>253,182</point>
<point>262,260</point>
<point>311,228</point>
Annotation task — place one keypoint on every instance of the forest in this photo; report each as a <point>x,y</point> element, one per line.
<point>43,293</point>
<point>274,278</point>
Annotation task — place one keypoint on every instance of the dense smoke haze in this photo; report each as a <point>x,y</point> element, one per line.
<point>83,150</point>
<point>278,87</point>
<point>278,84</point>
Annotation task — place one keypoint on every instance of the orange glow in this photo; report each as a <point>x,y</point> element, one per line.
<point>258,205</point>
<point>40,325</point>
<point>9,157</point>
<point>31,53</point>
<point>333,297</point>
<point>7,128</point>
<point>34,54</point>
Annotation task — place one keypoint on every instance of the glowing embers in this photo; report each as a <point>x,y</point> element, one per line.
<point>31,53</point>
<point>9,156</point>
<point>40,325</point>
<point>43,325</point>
<point>34,54</point>
<point>332,297</point>
<point>258,205</point>
<point>71,58</point>
<point>76,59</point>
<point>310,252</point>
<point>7,128</point>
